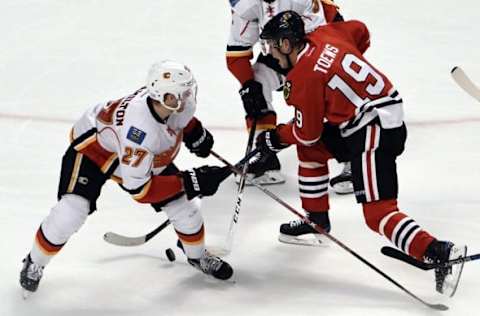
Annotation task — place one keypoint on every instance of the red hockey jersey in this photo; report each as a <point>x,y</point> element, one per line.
<point>333,82</point>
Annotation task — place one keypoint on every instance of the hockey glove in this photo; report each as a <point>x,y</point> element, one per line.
<point>203,181</point>
<point>199,140</point>
<point>253,100</point>
<point>269,142</point>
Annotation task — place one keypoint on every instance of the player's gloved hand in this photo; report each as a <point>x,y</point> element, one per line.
<point>203,181</point>
<point>199,140</point>
<point>253,100</point>
<point>269,142</point>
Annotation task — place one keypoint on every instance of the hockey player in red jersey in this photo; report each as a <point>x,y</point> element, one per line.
<point>134,140</point>
<point>344,102</point>
<point>264,76</point>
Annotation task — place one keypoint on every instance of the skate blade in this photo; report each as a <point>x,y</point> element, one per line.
<point>312,240</point>
<point>213,280</point>
<point>268,178</point>
<point>26,294</point>
<point>343,187</point>
<point>451,281</point>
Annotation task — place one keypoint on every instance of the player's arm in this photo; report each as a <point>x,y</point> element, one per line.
<point>138,180</point>
<point>136,169</point>
<point>202,181</point>
<point>307,126</point>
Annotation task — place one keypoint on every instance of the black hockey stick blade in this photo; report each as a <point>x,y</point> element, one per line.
<point>126,241</point>
<point>438,307</point>
<point>397,254</point>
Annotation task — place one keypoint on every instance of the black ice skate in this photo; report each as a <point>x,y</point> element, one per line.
<point>446,278</point>
<point>342,184</point>
<point>298,232</point>
<point>213,266</point>
<point>30,276</point>
<point>264,169</point>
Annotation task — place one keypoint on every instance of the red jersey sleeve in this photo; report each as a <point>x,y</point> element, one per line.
<point>308,100</point>
<point>158,189</point>
<point>191,125</point>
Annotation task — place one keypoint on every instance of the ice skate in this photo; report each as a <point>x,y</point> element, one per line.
<point>213,266</point>
<point>342,184</point>
<point>30,276</point>
<point>264,169</point>
<point>298,232</point>
<point>446,278</point>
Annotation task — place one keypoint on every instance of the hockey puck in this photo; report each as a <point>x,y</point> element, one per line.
<point>170,254</point>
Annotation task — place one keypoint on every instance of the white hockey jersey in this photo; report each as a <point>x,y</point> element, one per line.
<point>129,134</point>
<point>249,17</point>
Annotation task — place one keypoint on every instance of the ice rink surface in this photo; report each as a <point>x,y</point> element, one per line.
<point>59,57</point>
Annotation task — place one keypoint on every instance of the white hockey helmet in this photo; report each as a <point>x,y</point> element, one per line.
<point>169,77</point>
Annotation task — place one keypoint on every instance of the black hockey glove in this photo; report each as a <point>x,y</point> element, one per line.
<point>269,142</point>
<point>203,181</point>
<point>199,141</point>
<point>253,100</point>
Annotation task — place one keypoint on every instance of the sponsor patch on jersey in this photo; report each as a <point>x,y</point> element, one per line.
<point>136,135</point>
<point>233,2</point>
<point>287,88</point>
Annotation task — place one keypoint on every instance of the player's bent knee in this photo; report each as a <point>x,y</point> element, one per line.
<point>65,218</point>
<point>185,215</point>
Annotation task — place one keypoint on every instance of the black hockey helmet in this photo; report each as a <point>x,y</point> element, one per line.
<point>286,24</point>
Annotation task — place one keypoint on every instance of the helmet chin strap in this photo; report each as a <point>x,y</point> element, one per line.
<point>174,109</point>
<point>289,62</point>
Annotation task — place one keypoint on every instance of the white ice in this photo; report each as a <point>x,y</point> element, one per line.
<point>59,57</point>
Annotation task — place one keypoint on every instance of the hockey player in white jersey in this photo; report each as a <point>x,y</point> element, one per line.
<point>264,76</point>
<point>134,141</point>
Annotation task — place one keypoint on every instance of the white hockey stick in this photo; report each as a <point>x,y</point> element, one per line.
<point>126,241</point>
<point>238,202</point>
<point>465,83</point>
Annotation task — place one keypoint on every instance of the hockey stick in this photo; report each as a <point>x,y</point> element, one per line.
<point>397,254</point>
<point>127,241</point>
<point>121,240</point>
<point>319,229</point>
<point>241,187</point>
<point>465,82</point>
